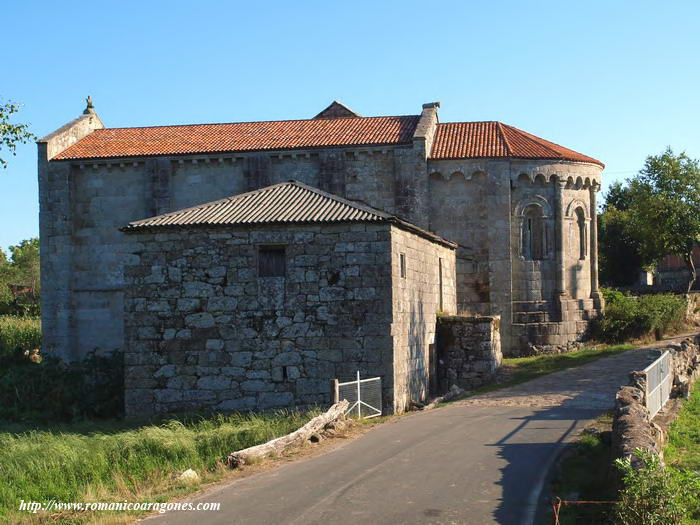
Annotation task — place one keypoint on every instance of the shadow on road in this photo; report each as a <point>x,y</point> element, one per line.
<point>520,505</point>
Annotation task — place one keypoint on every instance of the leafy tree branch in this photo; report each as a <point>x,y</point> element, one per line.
<point>12,134</point>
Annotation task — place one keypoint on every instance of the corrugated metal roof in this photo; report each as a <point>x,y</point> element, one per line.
<point>463,140</point>
<point>242,136</point>
<point>290,202</point>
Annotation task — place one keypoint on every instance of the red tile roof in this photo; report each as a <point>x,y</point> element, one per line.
<point>463,140</point>
<point>453,140</point>
<point>242,136</point>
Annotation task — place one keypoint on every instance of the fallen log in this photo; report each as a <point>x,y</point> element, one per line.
<point>296,438</point>
<point>453,393</point>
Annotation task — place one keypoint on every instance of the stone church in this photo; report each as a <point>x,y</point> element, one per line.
<point>518,211</point>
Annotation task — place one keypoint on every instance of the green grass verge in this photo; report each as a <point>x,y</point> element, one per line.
<point>585,472</point>
<point>683,447</point>
<point>682,450</point>
<point>115,461</point>
<point>521,369</point>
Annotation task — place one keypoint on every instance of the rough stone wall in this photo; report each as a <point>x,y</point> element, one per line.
<point>468,351</point>
<point>693,309</point>
<point>204,331</point>
<point>416,302</point>
<point>632,427</point>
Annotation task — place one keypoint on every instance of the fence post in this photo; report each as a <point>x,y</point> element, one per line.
<point>334,391</point>
<point>359,408</point>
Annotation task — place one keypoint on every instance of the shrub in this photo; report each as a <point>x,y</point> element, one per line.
<point>628,317</point>
<point>653,495</point>
<point>18,333</point>
<point>51,390</point>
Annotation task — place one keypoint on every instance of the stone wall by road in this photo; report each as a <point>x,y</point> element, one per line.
<point>468,351</point>
<point>693,311</point>
<point>632,427</point>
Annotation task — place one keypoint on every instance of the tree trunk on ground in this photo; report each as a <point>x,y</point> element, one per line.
<point>688,257</point>
<point>296,438</point>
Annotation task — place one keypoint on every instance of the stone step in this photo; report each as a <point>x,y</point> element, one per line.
<point>532,317</point>
<point>531,306</point>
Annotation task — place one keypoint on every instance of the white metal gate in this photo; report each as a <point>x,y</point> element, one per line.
<point>364,396</point>
<point>659,383</point>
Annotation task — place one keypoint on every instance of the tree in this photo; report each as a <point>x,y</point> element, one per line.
<point>664,209</point>
<point>25,258</point>
<point>12,134</point>
<point>19,279</point>
<point>618,250</point>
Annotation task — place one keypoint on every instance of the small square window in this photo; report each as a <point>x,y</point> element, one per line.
<point>402,264</point>
<point>271,261</point>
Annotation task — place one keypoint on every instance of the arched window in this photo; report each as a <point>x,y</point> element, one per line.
<point>533,233</point>
<point>582,233</point>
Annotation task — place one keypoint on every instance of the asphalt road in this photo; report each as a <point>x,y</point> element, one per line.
<point>481,461</point>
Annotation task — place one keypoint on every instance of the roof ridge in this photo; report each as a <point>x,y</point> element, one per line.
<point>468,122</point>
<point>509,148</point>
<point>256,122</point>
<point>358,206</point>
<point>341,200</point>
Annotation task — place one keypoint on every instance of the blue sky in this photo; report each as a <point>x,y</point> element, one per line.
<point>614,80</point>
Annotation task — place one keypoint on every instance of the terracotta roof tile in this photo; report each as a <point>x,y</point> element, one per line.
<point>460,140</point>
<point>242,136</point>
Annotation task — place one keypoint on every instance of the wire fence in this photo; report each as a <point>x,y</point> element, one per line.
<point>558,503</point>
<point>659,383</point>
<point>363,395</point>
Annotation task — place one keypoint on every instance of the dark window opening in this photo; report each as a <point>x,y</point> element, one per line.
<point>402,264</point>
<point>271,261</point>
<point>533,235</point>
<point>582,234</point>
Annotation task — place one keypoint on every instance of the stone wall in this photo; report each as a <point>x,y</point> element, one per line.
<point>416,302</point>
<point>204,331</point>
<point>693,312</point>
<point>85,203</point>
<point>468,351</point>
<point>479,204</point>
<point>632,427</point>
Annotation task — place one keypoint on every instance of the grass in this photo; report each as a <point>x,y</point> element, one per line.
<point>682,450</point>
<point>116,461</point>
<point>683,447</point>
<point>521,369</point>
<point>585,473</point>
<point>19,332</point>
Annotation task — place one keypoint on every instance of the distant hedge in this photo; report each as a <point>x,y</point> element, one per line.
<point>628,317</point>
<point>33,388</point>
